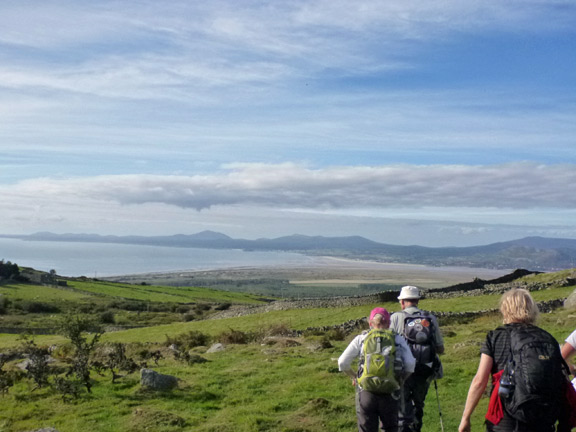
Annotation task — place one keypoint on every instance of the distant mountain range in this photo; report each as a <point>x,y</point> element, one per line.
<point>534,253</point>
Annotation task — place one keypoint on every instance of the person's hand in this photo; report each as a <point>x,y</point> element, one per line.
<point>465,426</point>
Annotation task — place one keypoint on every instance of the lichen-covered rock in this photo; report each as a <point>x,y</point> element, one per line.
<point>157,381</point>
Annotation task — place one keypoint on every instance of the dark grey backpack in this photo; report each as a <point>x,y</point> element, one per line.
<point>419,333</point>
<point>536,373</point>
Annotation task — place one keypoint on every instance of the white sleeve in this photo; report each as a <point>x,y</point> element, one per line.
<point>351,352</point>
<point>405,354</point>
<point>572,339</point>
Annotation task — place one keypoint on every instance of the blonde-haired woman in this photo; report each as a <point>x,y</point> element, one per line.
<point>519,312</point>
<point>372,408</point>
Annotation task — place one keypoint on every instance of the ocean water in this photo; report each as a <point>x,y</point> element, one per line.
<point>102,259</point>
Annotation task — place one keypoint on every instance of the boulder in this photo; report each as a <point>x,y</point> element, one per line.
<point>570,302</point>
<point>217,347</point>
<point>157,381</point>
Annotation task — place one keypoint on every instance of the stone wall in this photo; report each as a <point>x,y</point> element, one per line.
<point>443,318</point>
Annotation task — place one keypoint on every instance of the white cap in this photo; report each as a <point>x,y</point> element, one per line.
<point>409,292</point>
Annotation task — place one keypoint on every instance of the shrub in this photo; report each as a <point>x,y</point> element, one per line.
<point>75,328</point>
<point>38,307</point>
<point>280,329</point>
<point>116,360</point>
<point>69,389</point>
<point>107,317</point>
<point>37,367</point>
<point>7,379</point>
<point>187,317</point>
<point>201,307</point>
<point>182,309</point>
<point>235,337</point>
<point>223,306</point>
<point>4,302</point>
<point>146,354</point>
<point>336,334</point>
<point>185,341</point>
<point>132,306</point>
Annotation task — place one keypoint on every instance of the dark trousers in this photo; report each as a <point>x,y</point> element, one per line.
<point>413,398</point>
<point>508,424</point>
<point>374,409</point>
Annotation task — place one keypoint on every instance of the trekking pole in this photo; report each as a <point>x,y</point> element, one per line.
<point>439,409</point>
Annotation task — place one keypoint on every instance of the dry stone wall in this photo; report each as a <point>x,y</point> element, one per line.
<point>474,288</point>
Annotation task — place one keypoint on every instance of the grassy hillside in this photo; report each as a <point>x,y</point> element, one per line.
<point>282,384</point>
<point>33,306</point>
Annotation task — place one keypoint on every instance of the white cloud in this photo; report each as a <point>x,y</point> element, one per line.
<point>516,186</point>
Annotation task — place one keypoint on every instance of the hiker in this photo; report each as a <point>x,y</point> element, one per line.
<point>377,405</point>
<point>568,351</point>
<point>524,362</point>
<point>422,333</point>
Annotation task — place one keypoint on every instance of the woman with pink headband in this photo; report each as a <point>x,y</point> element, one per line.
<point>374,408</point>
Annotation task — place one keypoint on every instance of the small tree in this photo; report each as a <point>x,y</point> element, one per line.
<point>117,361</point>
<point>76,329</point>
<point>37,367</point>
<point>6,379</point>
<point>9,270</point>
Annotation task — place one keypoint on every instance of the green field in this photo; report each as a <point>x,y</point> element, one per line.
<point>285,387</point>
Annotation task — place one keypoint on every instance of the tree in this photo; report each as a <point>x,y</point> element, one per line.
<point>77,329</point>
<point>8,270</point>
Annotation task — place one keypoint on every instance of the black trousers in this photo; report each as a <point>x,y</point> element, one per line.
<point>413,398</point>
<point>373,410</point>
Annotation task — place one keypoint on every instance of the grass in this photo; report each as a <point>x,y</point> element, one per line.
<point>162,294</point>
<point>40,293</point>
<point>254,388</point>
<point>258,387</point>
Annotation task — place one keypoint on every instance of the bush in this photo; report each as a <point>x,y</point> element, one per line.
<point>185,341</point>
<point>37,368</point>
<point>235,337</point>
<point>201,307</point>
<point>187,317</point>
<point>336,334</point>
<point>76,329</point>
<point>278,330</point>
<point>107,317</point>
<point>132,306</point>
<point>182,309</point>
<point>4,302</point>
<point>70,389</point>
<point>223,306</point>
<point>38,307</point>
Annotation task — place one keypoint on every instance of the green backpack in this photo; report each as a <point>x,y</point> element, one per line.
<point>376,372</point>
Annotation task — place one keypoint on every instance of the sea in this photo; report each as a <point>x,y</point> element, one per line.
<point>108,259</point>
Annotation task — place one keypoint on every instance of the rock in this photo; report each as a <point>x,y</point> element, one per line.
<point>48,429</point>
<point>157,381</point>
<point>217,347</point>
<point>23,365</point>
<point>570,302</point>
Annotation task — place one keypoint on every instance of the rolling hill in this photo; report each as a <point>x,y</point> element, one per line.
<point>535,253</point>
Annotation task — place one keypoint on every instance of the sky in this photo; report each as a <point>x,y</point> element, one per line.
<point>440,123</point>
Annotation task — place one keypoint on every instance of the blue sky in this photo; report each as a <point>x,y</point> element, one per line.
<point>436,123</point>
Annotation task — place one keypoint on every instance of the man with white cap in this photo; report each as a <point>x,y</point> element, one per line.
<point>422,332</point>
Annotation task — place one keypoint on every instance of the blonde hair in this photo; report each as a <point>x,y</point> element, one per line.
<point>379,320</point>
<point>518,306</point>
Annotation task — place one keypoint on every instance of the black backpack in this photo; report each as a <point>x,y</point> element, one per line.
<point>419,333</point>
<point>536,375</point>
